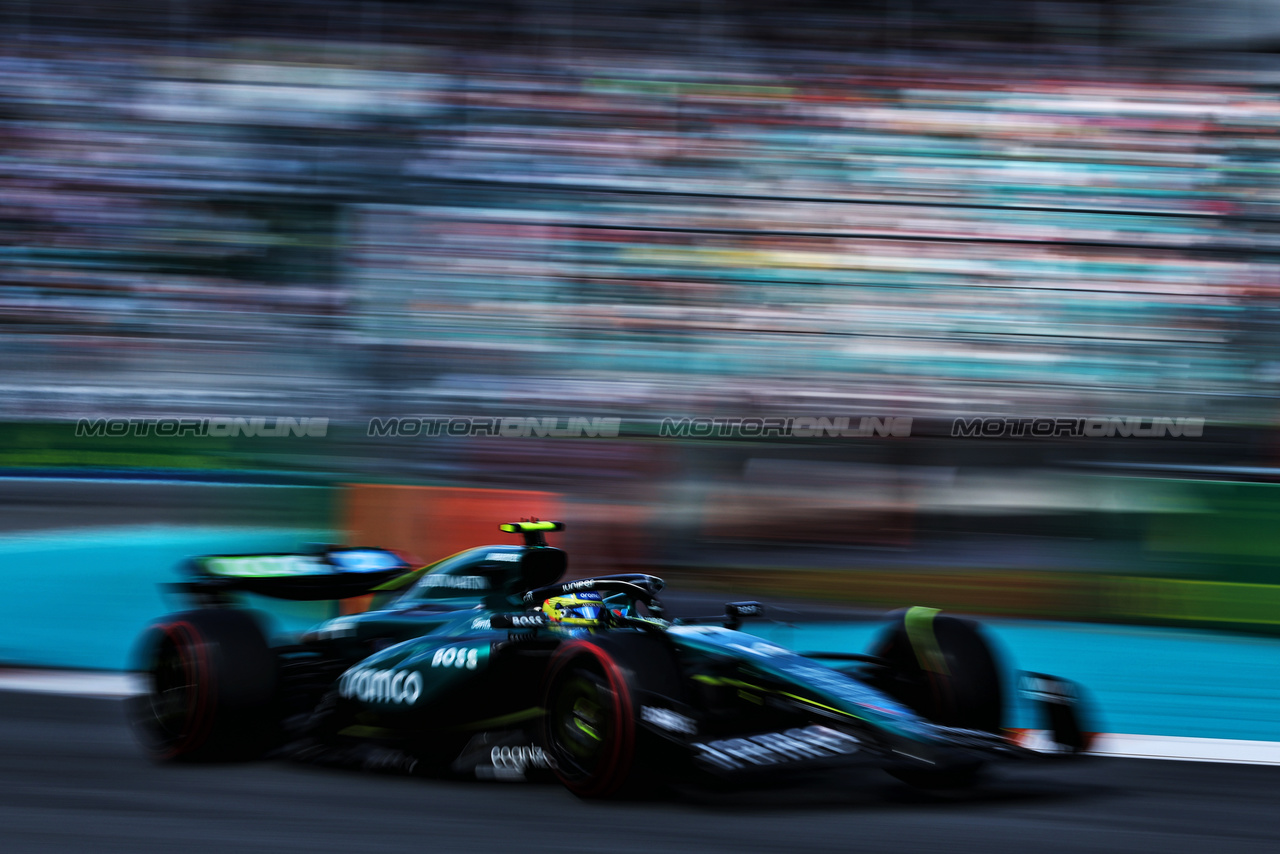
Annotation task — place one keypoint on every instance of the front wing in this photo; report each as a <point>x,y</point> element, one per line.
<point>840,742</point>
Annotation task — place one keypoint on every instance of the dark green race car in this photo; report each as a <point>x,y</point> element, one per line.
<point>487,664</point>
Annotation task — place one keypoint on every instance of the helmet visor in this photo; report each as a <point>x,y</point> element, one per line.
<point>582,612</point>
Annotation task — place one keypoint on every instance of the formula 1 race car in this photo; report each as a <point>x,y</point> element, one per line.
<point>486,664</point>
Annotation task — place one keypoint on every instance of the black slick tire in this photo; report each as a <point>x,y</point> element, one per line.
<point>944,668</point>
<point>211,688</point>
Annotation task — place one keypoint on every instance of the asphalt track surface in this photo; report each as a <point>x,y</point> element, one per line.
<point>72,780</point>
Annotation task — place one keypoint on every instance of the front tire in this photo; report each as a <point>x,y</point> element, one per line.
<point>944,669</point>
<point>589,726</point>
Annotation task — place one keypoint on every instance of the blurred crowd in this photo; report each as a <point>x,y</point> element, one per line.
<point>358,208</point>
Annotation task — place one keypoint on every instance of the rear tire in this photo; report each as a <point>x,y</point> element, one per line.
<point>212,688</point>
<point>946,671</point>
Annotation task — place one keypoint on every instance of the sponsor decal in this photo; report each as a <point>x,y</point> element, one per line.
<point>518,621</point>
<point>519,758</point>
<point>400,687</point>
<point>456,582</point>
<point>480,624</point>
<point>266,566</point>
<point>569,587</point>
<point>454,656</point>
<point>283,566</point>
<point>668,720</point>
<point>775,748</point>
<point>505,557</point>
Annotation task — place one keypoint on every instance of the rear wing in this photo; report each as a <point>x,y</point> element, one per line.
<point>333,573</point>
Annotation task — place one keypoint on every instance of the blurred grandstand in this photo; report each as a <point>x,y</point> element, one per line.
<point>350,209</point>
<point>352,206</point>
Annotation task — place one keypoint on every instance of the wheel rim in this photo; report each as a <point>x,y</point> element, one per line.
<point>588,727</point>
<point>583,723</point>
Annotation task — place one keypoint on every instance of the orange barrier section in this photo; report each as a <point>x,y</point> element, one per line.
<point>431,522</point>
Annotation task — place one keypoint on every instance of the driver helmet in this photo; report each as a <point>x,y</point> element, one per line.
<point>575,609</point>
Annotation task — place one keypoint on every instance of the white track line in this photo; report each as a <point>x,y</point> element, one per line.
<point>1188,749</point>
<point>70,682</point>
<point>119,685</point>
<point>1168,747</point>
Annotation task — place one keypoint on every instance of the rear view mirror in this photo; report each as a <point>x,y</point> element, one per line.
<point>735,611</point>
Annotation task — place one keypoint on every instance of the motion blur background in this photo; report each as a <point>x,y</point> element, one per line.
<point>350,209</point>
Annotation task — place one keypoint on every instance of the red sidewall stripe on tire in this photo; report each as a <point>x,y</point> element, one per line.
<point>194,653</point>
<point>624,745</point>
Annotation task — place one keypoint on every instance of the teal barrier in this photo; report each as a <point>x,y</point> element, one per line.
<point>79,598</point>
